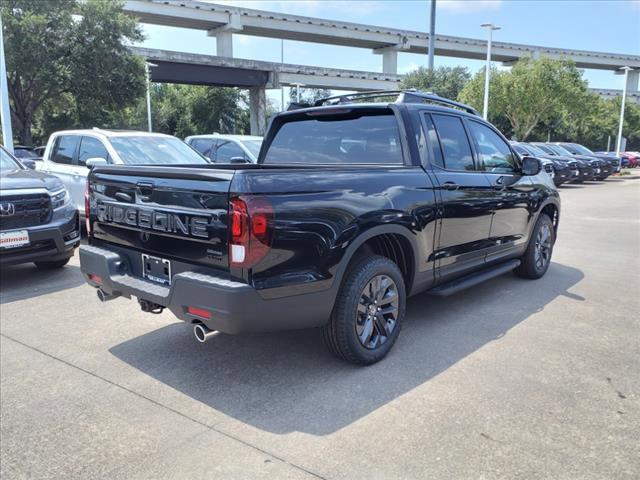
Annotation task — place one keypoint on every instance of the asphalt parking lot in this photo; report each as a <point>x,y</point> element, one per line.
<point>513,379</point>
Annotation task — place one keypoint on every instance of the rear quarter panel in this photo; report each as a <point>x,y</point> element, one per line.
<point>323,214</point>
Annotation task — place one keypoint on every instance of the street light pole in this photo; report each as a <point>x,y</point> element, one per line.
<point>432,33</point>
<point>626,71</point>
<point>281,87</point>
<point>487,73</point>
<point>5,112</point>
<point>146,72</point>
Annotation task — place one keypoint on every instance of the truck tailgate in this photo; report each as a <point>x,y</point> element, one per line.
<point>172,212</point>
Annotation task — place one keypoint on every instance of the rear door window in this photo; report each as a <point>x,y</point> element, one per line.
<point>454,143</point>
<point>226,151</point>
<point>203,145</point>
<point>64,149</point>
<point>91,148</point>
<point>363,139</point>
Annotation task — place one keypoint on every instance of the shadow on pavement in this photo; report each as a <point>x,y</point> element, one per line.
<point>288,382</point>
<point>20,282</point>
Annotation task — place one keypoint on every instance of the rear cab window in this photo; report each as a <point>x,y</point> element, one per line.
<point>349,137</point>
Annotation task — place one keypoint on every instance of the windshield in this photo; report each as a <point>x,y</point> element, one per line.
<point>581,149</point>
<point>24,153</point>
<point>570,148</point>
<point>144,150</point>
<point>558,150</point>
<point>6,162</point>
<point>253,146</point>
<point>536,150</point>
<point>520,149</point>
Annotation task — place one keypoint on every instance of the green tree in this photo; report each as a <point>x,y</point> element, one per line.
<point>70,52</point>
<point>532,93</point>
<point>308,95</point>
<point>447,82</point>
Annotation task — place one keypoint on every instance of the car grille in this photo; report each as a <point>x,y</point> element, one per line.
<point>573,165</point>
<point>26,210</point>
<point>595,163</point>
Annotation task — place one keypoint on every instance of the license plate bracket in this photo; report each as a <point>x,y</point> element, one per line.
<point>14,239</point>
<point>156,269</point>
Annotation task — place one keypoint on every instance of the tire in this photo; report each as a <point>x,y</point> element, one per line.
<point>353,332</point>
<point>52,265</point>
<point>537,256</point>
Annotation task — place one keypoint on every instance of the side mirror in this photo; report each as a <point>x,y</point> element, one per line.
<point>238,160</point>
<point>95,162</point>
<point>531,166</point>
<point>31,164</point>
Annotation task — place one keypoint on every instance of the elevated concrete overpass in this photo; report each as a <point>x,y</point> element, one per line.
<point>222,21</point>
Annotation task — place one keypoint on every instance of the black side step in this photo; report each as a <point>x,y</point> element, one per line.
<point>463,283</point>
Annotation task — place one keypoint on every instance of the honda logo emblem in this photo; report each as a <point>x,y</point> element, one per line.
<point>7,209</point>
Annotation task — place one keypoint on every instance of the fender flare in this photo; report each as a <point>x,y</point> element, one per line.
<point>363,238</point>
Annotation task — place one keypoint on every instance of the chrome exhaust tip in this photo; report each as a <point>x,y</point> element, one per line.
<point>105,297</point>
<point>203,333</point>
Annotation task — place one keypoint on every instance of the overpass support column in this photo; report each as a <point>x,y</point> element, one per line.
<point>390,62</point>
<point>390,57</point>
<point>633,81</point>
<point>224,44</point>
<point>258,110</point>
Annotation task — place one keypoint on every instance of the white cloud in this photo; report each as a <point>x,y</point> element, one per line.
<point>403,69</point>
<point>468,6</point>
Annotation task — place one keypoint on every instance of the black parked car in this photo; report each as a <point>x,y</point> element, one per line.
<point>561,170</point>
<point>351,208</point>
<point>586,167</point>
<point>596,164</point>
<point>38,222</point>
<point>608,164</point>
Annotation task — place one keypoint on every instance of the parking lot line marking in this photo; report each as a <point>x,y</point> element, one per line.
<point>161,405</point>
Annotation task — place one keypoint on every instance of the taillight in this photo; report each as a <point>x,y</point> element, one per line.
<point>87,208</point>
<point>250,224</point>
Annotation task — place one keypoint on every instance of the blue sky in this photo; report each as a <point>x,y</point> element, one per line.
<point>607,26</point>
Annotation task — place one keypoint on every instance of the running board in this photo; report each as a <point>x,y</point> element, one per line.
<point>463,283</point>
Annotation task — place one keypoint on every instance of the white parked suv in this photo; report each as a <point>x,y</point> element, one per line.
<point>221,148</point>
<point>71,153</point>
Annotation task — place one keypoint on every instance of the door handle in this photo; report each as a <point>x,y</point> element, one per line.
<point>450,186</point>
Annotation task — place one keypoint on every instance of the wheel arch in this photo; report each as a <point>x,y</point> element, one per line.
<point>392,241</point>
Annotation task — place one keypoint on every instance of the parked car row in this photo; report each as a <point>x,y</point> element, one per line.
<point>570,162</point>
<point>627,159</point>
<point>36,180</point>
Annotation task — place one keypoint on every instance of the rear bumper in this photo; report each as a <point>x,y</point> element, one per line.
<point>51,242</point>
<point>234,307</point>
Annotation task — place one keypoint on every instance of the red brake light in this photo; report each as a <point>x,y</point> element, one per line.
<point>95,278</point>
<point>87,208</point>
<point>250,219</point>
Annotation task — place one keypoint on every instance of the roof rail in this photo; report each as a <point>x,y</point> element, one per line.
<point>403,96</point>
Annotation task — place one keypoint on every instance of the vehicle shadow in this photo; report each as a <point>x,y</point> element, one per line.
<point>20,282</point>
<point>288,382</point>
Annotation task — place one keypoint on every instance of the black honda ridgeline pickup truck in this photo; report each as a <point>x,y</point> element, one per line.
<point>351,208</point>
